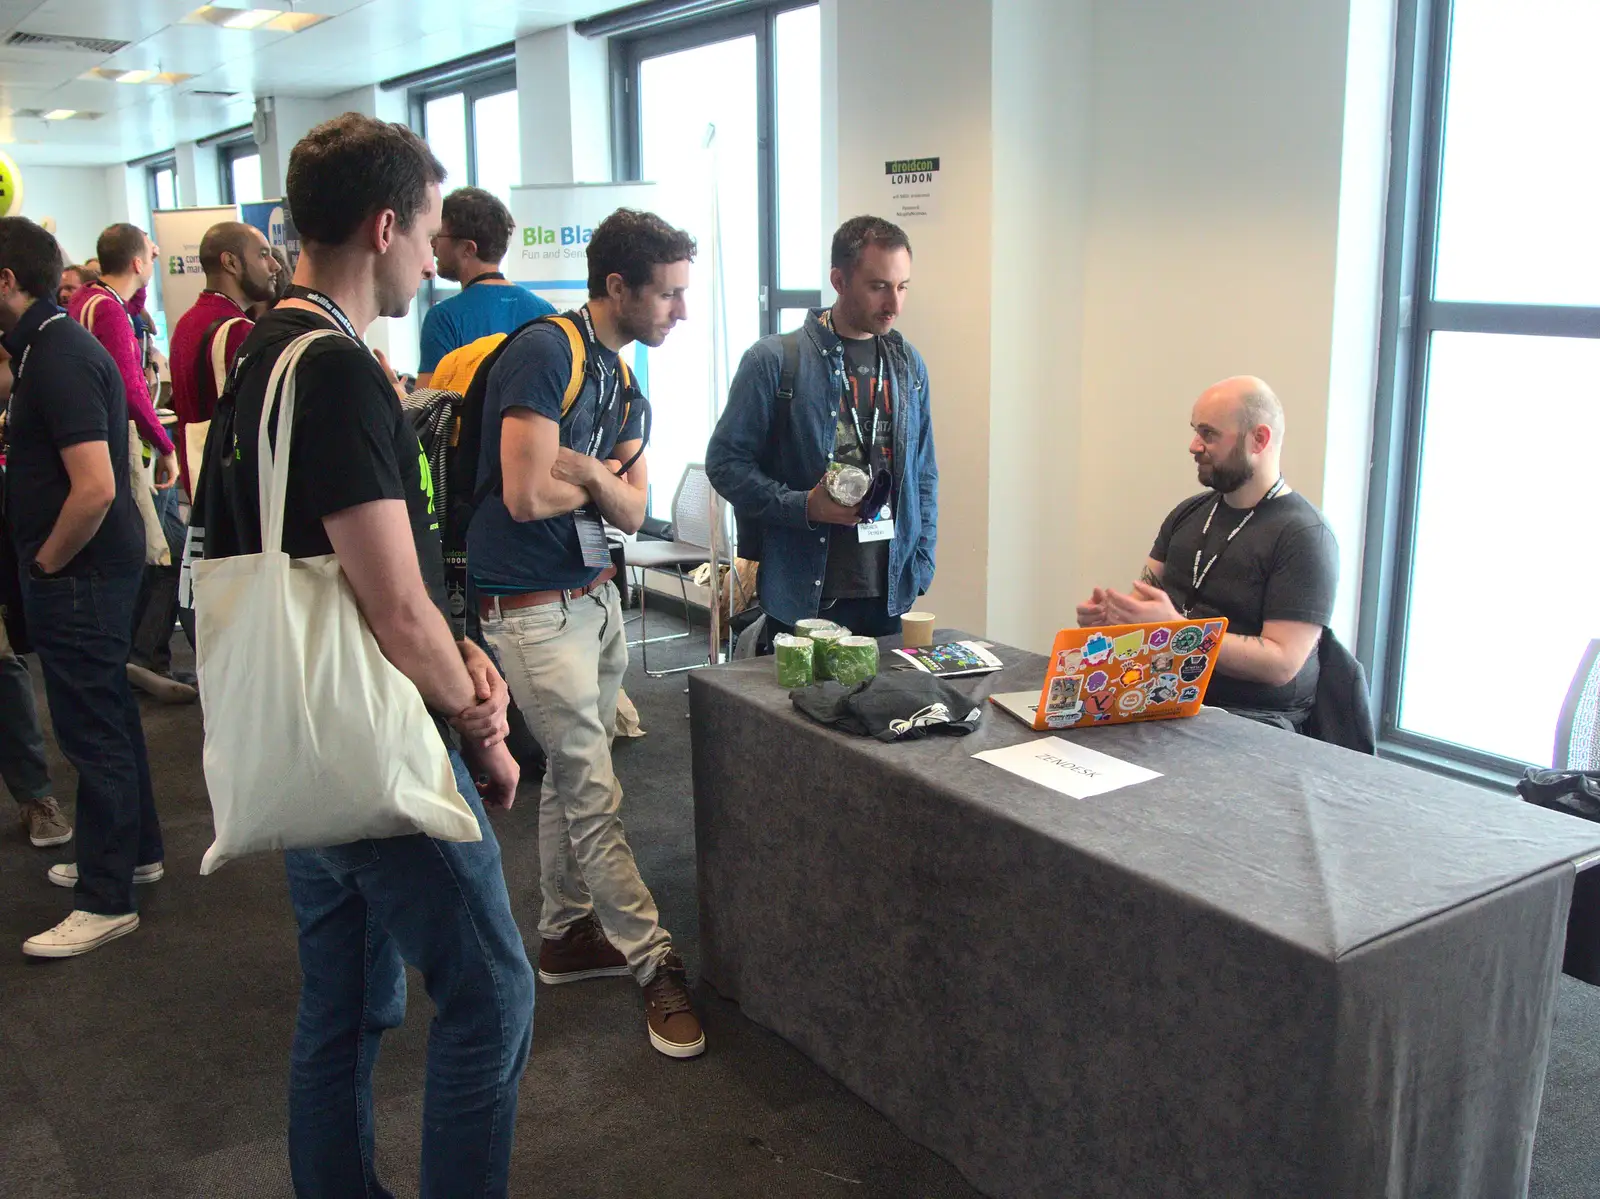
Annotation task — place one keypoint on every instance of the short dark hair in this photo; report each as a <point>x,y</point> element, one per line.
<point>118,246</point>
<point>632,244</point>
<point>32,255</point>
<point>85,275</point>
<point>225,237</point>
<point>472,214</point>
<point>353,167</point>
<point>859,232</point>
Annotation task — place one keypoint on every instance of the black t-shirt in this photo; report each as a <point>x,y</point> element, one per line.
<point>352,445</point>
<point>857,569</point>
<point>69,392</point>
<point>1282,565</point>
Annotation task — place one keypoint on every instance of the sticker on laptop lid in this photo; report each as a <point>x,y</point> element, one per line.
<point>1186,640</point>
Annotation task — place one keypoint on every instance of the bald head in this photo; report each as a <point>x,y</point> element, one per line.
<point>1238,433</point>
<point>238,262</point>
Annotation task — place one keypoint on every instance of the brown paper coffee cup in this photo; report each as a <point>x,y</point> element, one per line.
<point>916,629</point>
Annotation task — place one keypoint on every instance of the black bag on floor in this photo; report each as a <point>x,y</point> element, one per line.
<point>1577,793</point>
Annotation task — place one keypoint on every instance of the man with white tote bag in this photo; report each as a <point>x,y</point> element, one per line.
<point>365,196</point>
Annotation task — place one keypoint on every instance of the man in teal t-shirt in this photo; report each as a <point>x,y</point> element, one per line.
<point>469,247</point>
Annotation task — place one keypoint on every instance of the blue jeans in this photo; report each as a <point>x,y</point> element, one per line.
<point>364,910</point>
<point>22,762</point>
<point>80,627</point>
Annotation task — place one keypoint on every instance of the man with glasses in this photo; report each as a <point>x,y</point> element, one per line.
<point>469,247</point>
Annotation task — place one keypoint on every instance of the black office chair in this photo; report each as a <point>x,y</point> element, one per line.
<point>1578,730</point>
<point>1341,714</point>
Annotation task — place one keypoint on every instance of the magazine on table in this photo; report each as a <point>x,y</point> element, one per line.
<point>952,659</point>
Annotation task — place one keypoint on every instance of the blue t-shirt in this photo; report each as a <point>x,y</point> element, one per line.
<point>477,312</point>
<point>507,557</point>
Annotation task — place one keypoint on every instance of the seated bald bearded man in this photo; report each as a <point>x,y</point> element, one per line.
<point>1249,548</point>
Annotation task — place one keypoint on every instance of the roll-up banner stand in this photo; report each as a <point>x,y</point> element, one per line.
<point>177,232</point>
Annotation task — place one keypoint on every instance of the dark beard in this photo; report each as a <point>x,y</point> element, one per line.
<point>1229,475</point>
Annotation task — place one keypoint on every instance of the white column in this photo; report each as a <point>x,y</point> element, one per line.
<point>563,107</point>
<point>198,181</point>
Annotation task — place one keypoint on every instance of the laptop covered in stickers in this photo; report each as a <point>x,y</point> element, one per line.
<point>1121,673</point>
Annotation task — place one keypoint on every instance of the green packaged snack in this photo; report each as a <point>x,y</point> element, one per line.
<point>795,660</point>
<point>853,660</point>
<point>824,640</point>
<point>813,625</point>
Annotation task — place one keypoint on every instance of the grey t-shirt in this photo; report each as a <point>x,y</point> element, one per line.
<point>857,569</point>
<point>1282,565</point>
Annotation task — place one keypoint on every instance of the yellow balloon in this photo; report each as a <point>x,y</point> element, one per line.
<point>10,186</point>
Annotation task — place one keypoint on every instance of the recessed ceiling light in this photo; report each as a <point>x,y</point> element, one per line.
<point>136,75</point>
<point>60,114</point>
<point>276,19</point>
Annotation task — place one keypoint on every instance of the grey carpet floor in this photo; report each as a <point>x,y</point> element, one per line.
<point>156,1066</point>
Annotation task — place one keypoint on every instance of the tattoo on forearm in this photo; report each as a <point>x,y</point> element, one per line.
<point>1149,576</point>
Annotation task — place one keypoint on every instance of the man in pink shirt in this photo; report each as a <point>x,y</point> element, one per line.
<point>109,308</point>
<point>127,262</point>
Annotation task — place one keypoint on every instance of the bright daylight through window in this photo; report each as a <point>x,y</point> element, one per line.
<point>1503,586</point>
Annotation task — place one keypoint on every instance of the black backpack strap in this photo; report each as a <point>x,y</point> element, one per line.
<point>791,371</point>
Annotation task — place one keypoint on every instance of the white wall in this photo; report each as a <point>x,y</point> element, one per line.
<point>1214,215</point>
<point>76,198</point>
<point>1041,69</point>
<point>931,97</point>
<point>563,107</point>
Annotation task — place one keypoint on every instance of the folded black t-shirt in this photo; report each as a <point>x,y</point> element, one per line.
<point>900,705</point>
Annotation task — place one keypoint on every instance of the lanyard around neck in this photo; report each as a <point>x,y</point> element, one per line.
<point>481,278</point>
<point>335,313</point>
<point>1198,576</point>
<point>22,362</point>
<point>849,401</point>
<point>609,381</point>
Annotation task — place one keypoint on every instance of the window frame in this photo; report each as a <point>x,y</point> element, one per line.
<point>493,79</point>
<point>628,53</point>
<point>1410,317</point>
<point>227,152</point>
<point>154,168</point>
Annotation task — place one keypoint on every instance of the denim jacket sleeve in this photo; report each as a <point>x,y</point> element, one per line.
<point>733,456</point>
<point>928,475</point>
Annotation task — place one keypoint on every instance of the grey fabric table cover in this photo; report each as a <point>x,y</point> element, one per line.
<point>1280,970</point>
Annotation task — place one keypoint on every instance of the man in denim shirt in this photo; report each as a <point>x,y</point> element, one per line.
<point>861,399</point>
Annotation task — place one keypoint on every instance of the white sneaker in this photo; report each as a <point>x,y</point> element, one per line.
<point>65,874</point>
<point>79,933</point>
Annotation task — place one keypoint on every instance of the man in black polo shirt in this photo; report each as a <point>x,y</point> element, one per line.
<point>1249,548</point>
<point>80,548</point>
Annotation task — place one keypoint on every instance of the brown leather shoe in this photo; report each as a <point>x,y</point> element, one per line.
<point>581,953</point>
<point>674,1028</point>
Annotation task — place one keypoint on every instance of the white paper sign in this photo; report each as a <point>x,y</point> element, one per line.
<point>1067,767</point>
<point>913,187</point>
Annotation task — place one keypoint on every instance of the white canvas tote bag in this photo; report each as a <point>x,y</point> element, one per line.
<point>312,737</point>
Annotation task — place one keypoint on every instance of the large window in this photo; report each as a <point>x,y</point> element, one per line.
<point>1485,594</point>
<point>239,172</point>
<point>724,116</point>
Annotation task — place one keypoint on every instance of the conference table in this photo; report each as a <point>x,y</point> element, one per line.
<point>1279,969</point>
